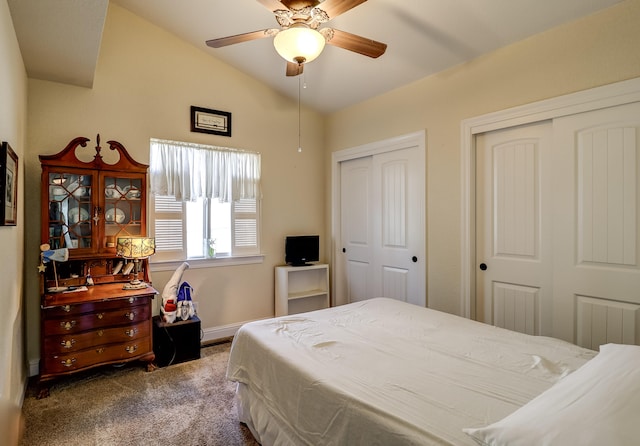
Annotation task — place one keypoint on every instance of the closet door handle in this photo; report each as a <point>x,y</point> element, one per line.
<point>483,266</point>
<point>414,259</point>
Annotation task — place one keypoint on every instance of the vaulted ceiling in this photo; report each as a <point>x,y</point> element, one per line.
<point>60,40</point>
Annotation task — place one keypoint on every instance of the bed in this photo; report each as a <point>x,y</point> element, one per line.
<point>383,372</point>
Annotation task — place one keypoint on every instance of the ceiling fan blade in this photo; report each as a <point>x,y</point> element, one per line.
<point>334,8</point>
<point>354,43</point>
<point>294,69</point>
<point>239,38</point>
<point>272,5</point>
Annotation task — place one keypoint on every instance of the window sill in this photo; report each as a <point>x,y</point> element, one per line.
<point>206,263</point>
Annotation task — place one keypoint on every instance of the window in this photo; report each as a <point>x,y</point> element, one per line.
<point>201,197</point>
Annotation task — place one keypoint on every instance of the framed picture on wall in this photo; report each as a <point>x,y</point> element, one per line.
<point>8,185</point>
<point>205,120</point>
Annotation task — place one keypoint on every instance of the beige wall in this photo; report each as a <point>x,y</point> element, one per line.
<point>13,106</point>
<point>146,80</point>
<point>597,50</point>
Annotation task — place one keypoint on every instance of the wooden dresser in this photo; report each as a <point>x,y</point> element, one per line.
<point>88,318</point>
<point>102,325</point>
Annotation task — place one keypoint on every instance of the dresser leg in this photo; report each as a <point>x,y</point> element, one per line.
<point>150,360</point>
<point>42,390</point>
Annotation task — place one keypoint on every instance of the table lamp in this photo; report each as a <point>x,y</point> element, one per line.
<point>136,249</point>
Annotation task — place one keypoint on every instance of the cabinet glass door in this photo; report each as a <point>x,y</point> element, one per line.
<point>70,210</point>
<point>123,208</point>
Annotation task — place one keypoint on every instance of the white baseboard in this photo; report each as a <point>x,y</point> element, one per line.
<point>34,367</point>
<point>213,334</point>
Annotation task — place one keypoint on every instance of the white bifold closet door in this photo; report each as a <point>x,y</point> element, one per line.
<point>513,228</point>
<point>356,228</point>
<point>557,227</point>
<point>382,226</point>
<point>596,186</point>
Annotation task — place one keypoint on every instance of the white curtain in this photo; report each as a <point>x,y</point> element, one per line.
<point>191,171</point>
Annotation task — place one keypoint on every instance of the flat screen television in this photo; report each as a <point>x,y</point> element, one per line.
<point>299,250</point>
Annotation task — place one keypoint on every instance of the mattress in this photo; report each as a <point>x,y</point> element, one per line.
<point>383,372</point>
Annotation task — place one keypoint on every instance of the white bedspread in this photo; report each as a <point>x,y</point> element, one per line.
<point>382,372</point>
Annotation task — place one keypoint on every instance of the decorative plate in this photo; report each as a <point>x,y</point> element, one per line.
<point>112,191</point>
<point>114,215</point>
<point>81,192</point>
<point>131,192</point>
<point>57,191</point>
<point>75,217</point>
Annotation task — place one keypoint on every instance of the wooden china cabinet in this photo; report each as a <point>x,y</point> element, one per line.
<point>88,319</point>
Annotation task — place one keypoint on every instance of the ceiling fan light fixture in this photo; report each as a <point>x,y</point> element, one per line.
<point>299,43</point>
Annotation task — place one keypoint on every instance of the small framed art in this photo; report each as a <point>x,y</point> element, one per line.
<point>205,120</point>
<point>8,185</point>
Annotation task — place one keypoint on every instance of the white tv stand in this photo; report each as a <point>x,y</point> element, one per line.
<point>301,288</point>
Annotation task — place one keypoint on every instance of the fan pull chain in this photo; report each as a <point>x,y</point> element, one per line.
<point>299,120</point>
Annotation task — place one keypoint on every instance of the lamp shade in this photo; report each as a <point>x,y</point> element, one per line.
<point>58,255</point>
<point>136,247</point>
<point>299,43</point>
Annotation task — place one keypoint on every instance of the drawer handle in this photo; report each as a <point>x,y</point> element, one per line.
<point>68,325</point>
<point>100,350</point>
<point>99,315</point>
<point>132,299</point>
<point>131,316</point>
<point>66,308</point>
<point>100,333</point>
<point>68,343</point>
<point>131,333</point>
<point>131,348</point>
<point>68,362</point>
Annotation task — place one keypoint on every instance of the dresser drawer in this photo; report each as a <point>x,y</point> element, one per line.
<point>61,344</point>
<point>90,307</point>
<point>90,321</point>
<point>68,362</point>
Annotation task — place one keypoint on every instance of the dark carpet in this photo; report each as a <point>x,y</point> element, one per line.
<point>191,403</point>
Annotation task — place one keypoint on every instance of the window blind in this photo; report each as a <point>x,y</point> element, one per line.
<point>185,173</point>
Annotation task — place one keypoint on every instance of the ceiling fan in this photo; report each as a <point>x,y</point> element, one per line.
<point>299,40</point>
